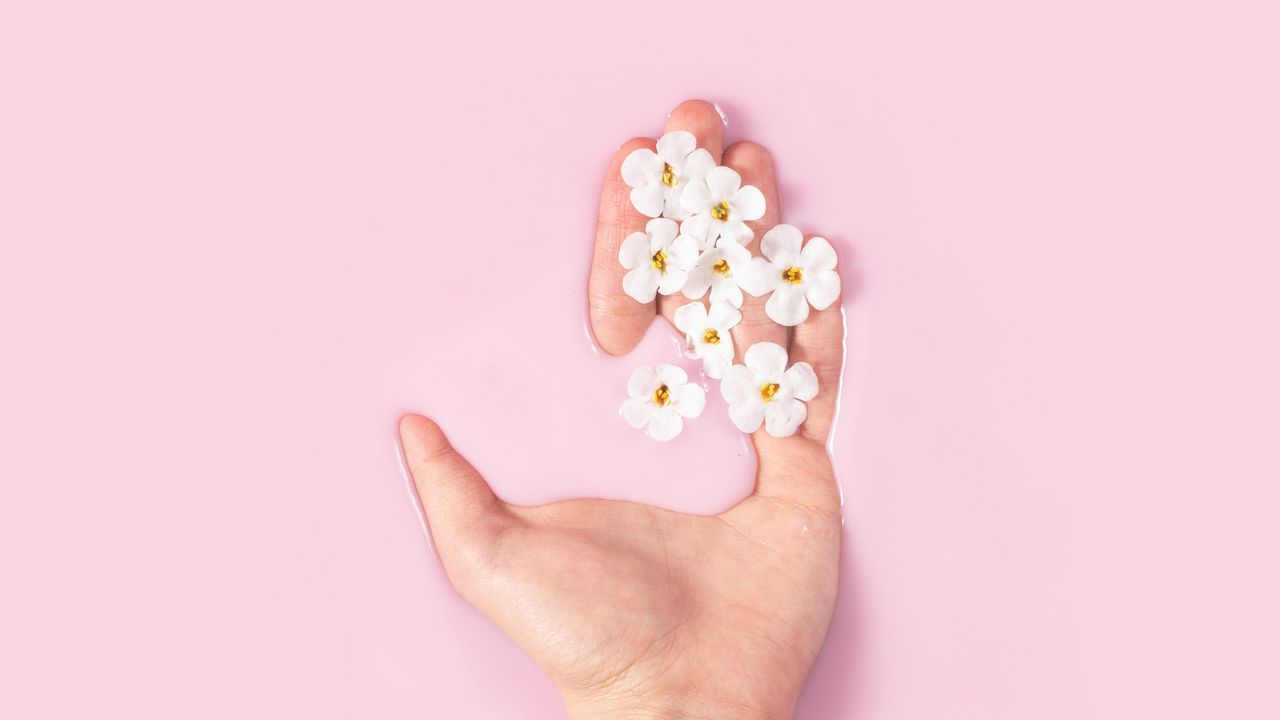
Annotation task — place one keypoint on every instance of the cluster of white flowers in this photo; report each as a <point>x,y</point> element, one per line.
<point>695,242</point>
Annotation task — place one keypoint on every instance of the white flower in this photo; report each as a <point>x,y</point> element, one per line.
<point>659,397</point>
<point>722,269</point>
<point>797,278</point>
<point>719,208</point>
<point>658,179</point>
<point>707,334</point>
<point>764,390</point>
<point>658,259</point>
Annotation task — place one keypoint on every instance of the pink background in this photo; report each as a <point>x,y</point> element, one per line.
<point>239,239</point>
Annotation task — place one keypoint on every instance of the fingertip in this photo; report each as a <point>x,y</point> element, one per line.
<point>698,107</point>
<point>755,165</point>
<point>444,477</point>
<point>421,436</point>
<point>614,185</point>
<point>632,145</point>
<point>703,120</point>
<point>409,422</point>
<point>749,157</point>
<point>617,333</point>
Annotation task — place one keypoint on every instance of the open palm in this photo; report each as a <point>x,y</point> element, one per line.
<point>635,611</point>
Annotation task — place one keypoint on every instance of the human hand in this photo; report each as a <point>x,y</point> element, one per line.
<point>639,612</point>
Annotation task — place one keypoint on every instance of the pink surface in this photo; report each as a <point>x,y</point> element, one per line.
<point>239,240</point>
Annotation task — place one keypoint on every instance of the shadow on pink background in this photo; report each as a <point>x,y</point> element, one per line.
<point>240,238</point>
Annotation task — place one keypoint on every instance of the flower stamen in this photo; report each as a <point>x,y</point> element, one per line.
<point>662,396</point>
<point>768,390</point>
<point>711,337</point>
<point>793,275</point>
<point>660,260</point>
<point>669,175</point>
<point>721,211</point>
<point>721,268</point>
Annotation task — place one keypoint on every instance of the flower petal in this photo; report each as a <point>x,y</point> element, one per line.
<point>748,203</point>
<point>715,363</point>
<point>757,277</point>
<point>782,244</point>
<point>722,182</point>
<point>684,252</point>
<point>713,233</point>
<point>735,253</point>
<point>802,383</point>
<point>641,283</point>
<point>722,316</point>
<point>726,290</point>
<point>675,145</point>
<point>822,289</point>
<point>691,318</point>
<point>648,199</point>
<point>662,229</point>
<point>637,411</point>
<point>767,361</point>
<point>671,207</point>
<point>699,280</point>
<point>747,415</point>
<point>670,375</point>
<point>698,227</point>
<point>783,417</point>
<point>634,251</point>
<point>641,167</point>
<point>642,382</point>
<point>738,385</point>
<point>787,305</point>
<point>672,280</point>
<point>689,400</point>
<point>696,166</point>
<point>696,198</point>
<point>734,230</point>
<point>818,255</point>
<point>665,424</point>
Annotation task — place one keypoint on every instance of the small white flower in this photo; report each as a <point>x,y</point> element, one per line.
<point>658,179</point>
<point>765,391</point>
<point>659,399</point>
<point>722,269</point>
<point>719,207</point>
<point>797,278</point>
<point>658,260</point>
<point>707,334</point>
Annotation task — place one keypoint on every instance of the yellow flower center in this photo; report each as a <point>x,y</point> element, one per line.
<point>711,337</point>
<point>662,396</point>
<point>721,211</point>
<point>660,260</point>
<point>768,390</point>
<point>721,268</point>
<point>669,175</point>
<point>793,275</point>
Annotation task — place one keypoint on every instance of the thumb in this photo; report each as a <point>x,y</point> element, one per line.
<point>464,516</point>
